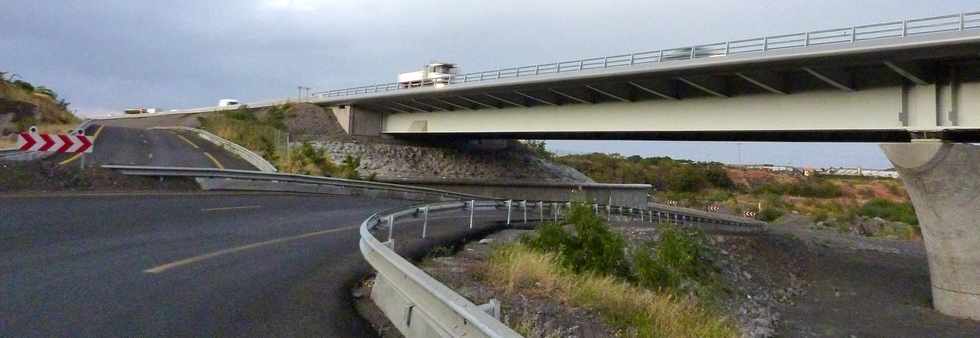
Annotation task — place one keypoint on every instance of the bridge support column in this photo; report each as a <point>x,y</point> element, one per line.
<point>943,181</point>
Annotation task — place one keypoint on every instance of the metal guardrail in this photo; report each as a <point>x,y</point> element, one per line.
<point>440,311</point>
<point>893,29</point>
<point>276,177</point>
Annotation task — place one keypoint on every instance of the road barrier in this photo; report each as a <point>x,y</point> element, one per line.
<point>414,302</point>
<point>15,154</point>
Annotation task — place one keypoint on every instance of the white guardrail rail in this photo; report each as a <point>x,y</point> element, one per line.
<point>415,303</point>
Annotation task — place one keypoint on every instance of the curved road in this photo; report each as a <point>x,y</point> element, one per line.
<point>154,147</point>
<point>181,265</point>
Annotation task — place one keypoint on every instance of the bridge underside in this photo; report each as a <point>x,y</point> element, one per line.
<point>863,94</point>
<point>889,113</point>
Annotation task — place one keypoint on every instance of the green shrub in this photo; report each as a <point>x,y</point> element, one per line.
<point>811,187</point>
<point>681,261</point>
<point>892,211</point>
<point>348,168</point>
<point>592,247</point>
<point>771,214</point>
<point>308,160</point>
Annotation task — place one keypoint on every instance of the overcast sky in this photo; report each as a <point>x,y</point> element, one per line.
<point>104,56</point>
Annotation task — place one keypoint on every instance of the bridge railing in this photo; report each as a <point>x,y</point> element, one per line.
<point>886,30</point>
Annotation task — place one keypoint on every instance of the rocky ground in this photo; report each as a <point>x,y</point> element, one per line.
<point>792,281</point>
<point>392,158</point>
<point>47,176</point>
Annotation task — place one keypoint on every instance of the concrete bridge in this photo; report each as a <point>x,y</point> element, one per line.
<point>912,83</point>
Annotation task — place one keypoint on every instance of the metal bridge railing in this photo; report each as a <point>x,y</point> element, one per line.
<point>894,29</point>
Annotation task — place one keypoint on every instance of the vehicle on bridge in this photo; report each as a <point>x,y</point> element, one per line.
<point>228,102</point>
<point>141,110</point>
<point>433,74</point>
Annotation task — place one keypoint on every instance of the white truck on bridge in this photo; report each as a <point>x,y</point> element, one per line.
<point>433,74</point>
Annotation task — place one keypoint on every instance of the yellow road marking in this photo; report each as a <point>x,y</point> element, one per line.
<point>77,155</point>
<point>232,208</point>
<point>229,251</point>
<point>216,163</point>
<point>188,141</point>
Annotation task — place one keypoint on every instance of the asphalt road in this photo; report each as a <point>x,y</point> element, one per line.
<point>153,147</point>
<point>97,265</point>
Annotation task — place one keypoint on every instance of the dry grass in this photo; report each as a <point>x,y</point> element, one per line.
<point>636,311</point>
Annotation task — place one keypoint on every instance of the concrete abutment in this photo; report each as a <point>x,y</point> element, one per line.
<point>943,180</point>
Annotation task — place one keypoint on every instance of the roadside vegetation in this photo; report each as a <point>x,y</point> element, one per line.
<point>23,104</point>
<point>655,290</point>
<point>868,206</point>
<point>265,133</point>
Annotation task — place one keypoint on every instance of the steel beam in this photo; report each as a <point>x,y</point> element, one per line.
<point>769,81</point>
<point>710,85</point>
<point>535,99</point>
<point>838,79</point>
<point>477,102</point>
<point>910,72</point>
<point>498,98</point>
<point>607,94</point>
<point>664,94</point>
<point>451,103</point>
<point>409,107</point>
<point>570,96</point>
<point>436,108</point>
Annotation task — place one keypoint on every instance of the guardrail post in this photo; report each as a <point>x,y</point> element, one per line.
<point>728,47</point>
<point>509,202</point>
<point>524,207</point>
<point>541,211</point>
<point>555,210</point>
<point>391,231</point>
<point>853,34</point>
<point>806,40</point>
<point>632,59</point>
<point>661,57</point>
<point>425,220</point>
<point>472,210</point>
<point>595,208</point>
<point>962,21</point>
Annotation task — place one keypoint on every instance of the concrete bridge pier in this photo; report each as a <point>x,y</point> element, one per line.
<point>943,180</point>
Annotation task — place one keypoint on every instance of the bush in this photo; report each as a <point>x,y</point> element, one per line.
<point>770,214</point>
<point>592,247</point>
<point>308,160</point>
<point>25,122</point>
<point>892,211</point>
<point>348,168</point>
<point>811,187</point>
<point>681,261</point>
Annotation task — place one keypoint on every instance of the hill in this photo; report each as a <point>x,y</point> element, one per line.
<point>22,105</point>
<point>878,207</point>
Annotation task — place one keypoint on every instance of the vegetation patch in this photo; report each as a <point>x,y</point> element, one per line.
<point>892,211</point>
<point>654,290</point>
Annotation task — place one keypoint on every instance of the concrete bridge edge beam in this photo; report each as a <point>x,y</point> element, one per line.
<point>943,181</point>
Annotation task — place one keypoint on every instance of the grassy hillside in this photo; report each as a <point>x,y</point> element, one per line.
<point>23,104</point>
<point>868,206</point>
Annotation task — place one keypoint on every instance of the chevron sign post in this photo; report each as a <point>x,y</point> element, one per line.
<point>75,142</point>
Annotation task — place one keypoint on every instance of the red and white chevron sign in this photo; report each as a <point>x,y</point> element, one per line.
<point>76,142</point>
